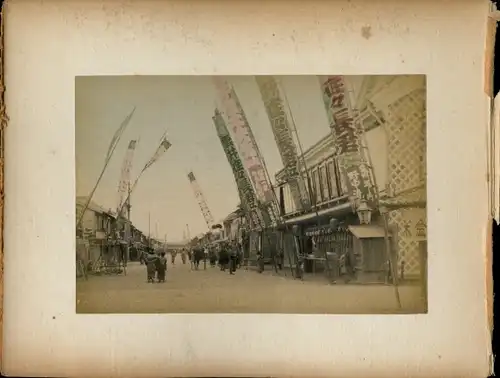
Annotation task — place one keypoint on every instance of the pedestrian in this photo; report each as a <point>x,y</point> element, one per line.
<point>233,259</point>
<point>191,257</point>
<point>198,255</point>
<point>205,257</point>
<point>161,267</point>
<point>173,254</point>
<point>239,260</point>
<point>213,258</point>
<point>260,261</point>
<point>150,261</point>
<point>281,259</point>
<point>223,257</point>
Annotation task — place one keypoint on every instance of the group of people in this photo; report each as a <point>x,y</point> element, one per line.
<point>226,255</point>
<point>156,265</point>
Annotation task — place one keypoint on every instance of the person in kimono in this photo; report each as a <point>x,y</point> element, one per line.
<point>233,258</point>
<point>224,256</point>
<point>173,254</point>
<point>161,267</point>
<point>151,261</point>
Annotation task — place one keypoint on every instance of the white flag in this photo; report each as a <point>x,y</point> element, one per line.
<point>118,134</point>
<point>162,148</point>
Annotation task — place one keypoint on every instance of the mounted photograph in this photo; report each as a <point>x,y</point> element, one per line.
<point>251,194</point>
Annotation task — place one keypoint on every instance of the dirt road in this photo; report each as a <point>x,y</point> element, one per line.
<point>213,291</point>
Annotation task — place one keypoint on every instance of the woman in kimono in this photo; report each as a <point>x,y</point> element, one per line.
<point>161,267</point>
<point>151,260</point>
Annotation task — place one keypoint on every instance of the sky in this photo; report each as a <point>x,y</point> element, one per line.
<point>163,201</point>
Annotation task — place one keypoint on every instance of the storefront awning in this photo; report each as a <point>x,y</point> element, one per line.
<point>337,211</point>
<point>367,231</point>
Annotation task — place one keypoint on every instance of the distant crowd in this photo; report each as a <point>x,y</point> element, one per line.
<point>227,255</point>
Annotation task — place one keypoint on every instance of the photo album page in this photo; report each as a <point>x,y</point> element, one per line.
<point>248,188</point>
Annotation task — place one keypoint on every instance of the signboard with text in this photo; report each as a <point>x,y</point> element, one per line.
<point>244,140</point>
<point>357,175</point>
<point>272,98</point>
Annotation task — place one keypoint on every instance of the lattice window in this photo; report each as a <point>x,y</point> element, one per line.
<point>406,129</point>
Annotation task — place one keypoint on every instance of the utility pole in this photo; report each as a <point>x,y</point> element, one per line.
<point>128,203</point>
<point>149,229</point>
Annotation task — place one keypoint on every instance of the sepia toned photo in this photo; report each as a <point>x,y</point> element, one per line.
<point>251,194</point>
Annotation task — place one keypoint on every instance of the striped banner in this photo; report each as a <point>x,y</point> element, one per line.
<point>245,190</point>
<point>123,185</point>
<point>272,98</point>
<point>244,139</point>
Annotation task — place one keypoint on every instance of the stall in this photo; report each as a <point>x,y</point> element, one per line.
<point>353,253</point>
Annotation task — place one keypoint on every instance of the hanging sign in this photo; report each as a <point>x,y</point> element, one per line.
<point>245,189</point>
<point>244,139</point>
<point>272,98</point>
<point>357,175</point>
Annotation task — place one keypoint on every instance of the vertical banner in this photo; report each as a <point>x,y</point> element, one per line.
<point>246,145</point>
<point>356,173</point>
<point>123,185</point>
<point>272,98</point>
<point>243,139</point>
<point>207,215</point>
<point>245,189</point>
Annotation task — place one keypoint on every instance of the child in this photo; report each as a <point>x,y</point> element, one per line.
<point>161,267</point>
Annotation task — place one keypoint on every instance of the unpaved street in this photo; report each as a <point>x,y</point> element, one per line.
<point>213,291</point>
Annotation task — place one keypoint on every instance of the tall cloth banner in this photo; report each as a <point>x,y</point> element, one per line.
<point>163,147</point>
<point>272,97</point>
<point>245,189</point>
<point>200,198</point>
<point>356,173</point>
<point>111,149</point>
<point>124,183</point>
<point>118,135</point>
<point>246,145</point>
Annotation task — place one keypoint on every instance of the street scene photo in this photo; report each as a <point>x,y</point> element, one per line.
<point>251,194</point>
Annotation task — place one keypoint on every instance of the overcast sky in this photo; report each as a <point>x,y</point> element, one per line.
<point>183,106</point>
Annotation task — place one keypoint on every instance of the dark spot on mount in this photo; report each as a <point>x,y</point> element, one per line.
<point>366,32</point>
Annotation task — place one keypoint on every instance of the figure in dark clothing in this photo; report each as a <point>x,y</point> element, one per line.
<point>198,256</point>
<point>239,258</point>
<point>280,257</point>
<point>213,258</point>
<point>161,267</point>
<point>233,259</point>
<point>223,258</point>
<point>260,261</point>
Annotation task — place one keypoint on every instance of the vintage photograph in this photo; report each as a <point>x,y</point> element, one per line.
<point>251,194</point>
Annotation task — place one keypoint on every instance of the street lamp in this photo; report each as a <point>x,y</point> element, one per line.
<point>364,213</point>
<point>334,223</point>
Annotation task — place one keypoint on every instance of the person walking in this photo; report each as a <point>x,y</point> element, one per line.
<point>173,254</point>
<point>151,260</point>
<point>205,257</point>
<point>161,267</point>
<point>233,259</point>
